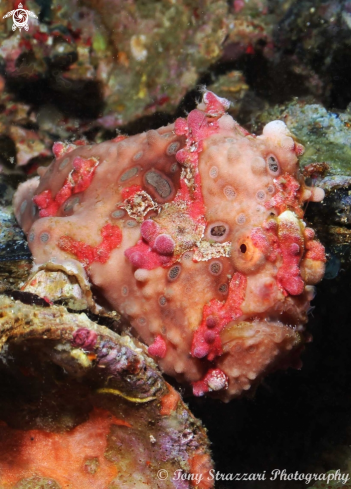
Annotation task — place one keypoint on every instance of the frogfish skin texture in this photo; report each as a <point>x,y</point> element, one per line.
<point>195,234</point>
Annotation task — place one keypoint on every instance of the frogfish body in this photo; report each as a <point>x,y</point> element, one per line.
<point>194,232</point>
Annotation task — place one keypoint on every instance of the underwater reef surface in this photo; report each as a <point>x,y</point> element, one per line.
<point>84,406</point>
<point>69,78</point>
<point>136,57</point>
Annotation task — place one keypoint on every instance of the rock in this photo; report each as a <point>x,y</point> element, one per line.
<point>82,404</point>
<point>15,257</point>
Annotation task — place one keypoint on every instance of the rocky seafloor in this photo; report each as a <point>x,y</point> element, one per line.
<point>88,69</point>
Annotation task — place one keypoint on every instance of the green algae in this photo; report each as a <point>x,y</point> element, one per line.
<point>325,135</point>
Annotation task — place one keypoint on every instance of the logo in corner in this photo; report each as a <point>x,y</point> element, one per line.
<point>20,17</point>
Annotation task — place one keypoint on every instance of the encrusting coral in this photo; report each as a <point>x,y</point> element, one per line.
<point>195,233</point>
